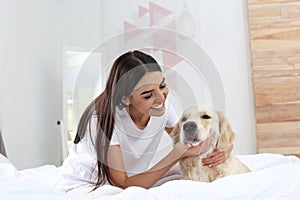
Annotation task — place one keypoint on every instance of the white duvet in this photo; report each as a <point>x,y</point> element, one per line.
<point>273,176</point>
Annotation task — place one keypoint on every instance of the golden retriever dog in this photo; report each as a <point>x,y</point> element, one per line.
<point>202,124</point>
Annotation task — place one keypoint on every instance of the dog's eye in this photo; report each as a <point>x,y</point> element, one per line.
<point>205,117</point>
<point>183,119</point>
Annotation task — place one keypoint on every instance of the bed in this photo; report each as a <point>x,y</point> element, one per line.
<point>273,176</point>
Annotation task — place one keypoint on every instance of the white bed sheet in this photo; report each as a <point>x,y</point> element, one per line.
<point>273,177</point>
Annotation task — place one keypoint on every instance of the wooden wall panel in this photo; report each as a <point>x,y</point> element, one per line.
<point>269,1</point>
<point>275,48</point>
<point>291,10</point>
<point>270,11</point>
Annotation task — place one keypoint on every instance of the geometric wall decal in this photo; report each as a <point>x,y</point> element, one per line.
<point>157,13</point>
<point>142,11</point>
<point>170,59</point>
<point>130,35</point>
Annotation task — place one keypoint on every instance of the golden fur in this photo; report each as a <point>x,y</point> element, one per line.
<point>195,126</point>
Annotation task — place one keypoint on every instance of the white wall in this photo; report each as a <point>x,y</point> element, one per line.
<point>223,33</point>
<point>31,82</point>
<point>79,23</point>
<point>33,36</point>
<point>1,84</point>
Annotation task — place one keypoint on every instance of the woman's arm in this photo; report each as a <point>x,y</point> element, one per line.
<point>168,130</point>
<point>150,177</point>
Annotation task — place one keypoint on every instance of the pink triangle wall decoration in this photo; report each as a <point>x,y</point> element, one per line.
<point>157,13</point>
<point>131,34</point>
<point>142,11</point>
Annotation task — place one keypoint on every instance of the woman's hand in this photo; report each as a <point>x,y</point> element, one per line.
<point>217,157</point>
<point>184,150</point>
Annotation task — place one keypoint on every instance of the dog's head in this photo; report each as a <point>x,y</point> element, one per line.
<point>198,123</point>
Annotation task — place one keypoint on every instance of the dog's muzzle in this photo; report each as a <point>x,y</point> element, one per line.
<point>190,132</point>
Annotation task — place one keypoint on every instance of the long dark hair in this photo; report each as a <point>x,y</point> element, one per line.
<point>117,86</point>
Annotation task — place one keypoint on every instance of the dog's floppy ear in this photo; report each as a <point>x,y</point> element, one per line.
<point>175,133</point>
<point>226,133</point>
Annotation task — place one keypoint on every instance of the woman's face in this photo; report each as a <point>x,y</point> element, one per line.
<point>149,95</point>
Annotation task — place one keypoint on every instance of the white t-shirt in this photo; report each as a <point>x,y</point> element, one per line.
<point>140,148</point>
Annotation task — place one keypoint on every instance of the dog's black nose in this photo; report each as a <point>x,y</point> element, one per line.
<point>190,126</point>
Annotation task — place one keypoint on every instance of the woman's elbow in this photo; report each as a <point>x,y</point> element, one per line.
<point>124,185</point>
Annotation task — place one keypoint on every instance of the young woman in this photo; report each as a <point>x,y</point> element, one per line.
<point>119,132</point>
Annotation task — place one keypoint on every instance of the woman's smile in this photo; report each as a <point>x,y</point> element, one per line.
<point>157,110</point>
<point>158,107</point>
